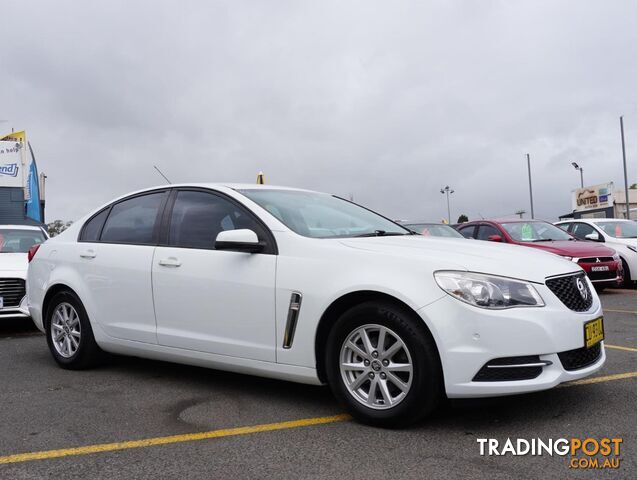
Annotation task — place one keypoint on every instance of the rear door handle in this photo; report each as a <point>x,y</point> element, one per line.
<point>170,262</point>
<point>90,253</point>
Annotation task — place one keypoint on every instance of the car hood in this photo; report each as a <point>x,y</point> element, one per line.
<point>11,262</point>
<point>573,248</point>
<point>472,255</point>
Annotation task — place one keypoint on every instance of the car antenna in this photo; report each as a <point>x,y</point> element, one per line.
<point>161,173</point>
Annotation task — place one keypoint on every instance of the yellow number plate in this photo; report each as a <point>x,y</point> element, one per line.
<point>593,332</point>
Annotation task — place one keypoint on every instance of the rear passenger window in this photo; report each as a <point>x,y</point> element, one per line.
<point>92,228</point>
<point>467,232</point>
<point>133,221</point>
<point>486,231</point>
<point>198,217</point>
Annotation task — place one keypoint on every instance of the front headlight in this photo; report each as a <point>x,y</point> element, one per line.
<point>616,258</point>
<point>566,257</point>
<point>487,291</point>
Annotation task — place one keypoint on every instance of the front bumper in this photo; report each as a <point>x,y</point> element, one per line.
<point>469,337</point>
<point>21,311</point>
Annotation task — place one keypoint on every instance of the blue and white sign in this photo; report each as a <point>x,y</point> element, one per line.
<point>11,163</point>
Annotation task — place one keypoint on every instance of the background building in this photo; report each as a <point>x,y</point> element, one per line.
<point>21,201</point>
<point>602,201</point>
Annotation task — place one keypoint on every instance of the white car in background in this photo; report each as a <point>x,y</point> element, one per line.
<point>15,242</point>
<point>617,233</point>
<point>308,287</point>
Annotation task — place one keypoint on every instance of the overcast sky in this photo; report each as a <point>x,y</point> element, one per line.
<point>386,101</point>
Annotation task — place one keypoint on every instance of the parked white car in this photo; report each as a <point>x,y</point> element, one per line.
<point>308,287</point>
<point>15,242</point>
<point>617,233</point>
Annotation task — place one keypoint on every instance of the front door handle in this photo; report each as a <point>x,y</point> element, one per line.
<point>170,262</point>
<point>90,253</point>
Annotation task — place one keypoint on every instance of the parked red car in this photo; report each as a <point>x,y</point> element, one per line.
<point>602,264</point>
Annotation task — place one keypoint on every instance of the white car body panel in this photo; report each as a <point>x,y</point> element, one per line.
<point>249,297</point>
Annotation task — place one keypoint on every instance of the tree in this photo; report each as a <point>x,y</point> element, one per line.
<point>463,218</point>
<point>57,226</point>
<point>633,187</point>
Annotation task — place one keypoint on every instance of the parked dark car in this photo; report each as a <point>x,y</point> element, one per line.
<point>602,264</point>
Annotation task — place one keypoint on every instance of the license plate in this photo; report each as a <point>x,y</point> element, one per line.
<point>602,268</point>
<point>593,332</point>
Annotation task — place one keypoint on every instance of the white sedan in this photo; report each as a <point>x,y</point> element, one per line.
<point>308,287</point>
<point>15,242</point>
<point>617,233</point>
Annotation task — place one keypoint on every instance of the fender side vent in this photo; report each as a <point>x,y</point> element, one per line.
<point>293,316</point>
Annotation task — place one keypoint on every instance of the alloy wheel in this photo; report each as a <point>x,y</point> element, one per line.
<point>66,330</point>
<point>376,366</point>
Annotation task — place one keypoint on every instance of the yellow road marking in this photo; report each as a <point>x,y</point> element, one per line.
<point>229,432</point>
<point>620,311</point>
<point>618,347</point>
<point>189,437</point>
<point>607,378</point>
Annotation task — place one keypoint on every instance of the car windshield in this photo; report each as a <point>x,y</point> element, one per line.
<point>535,232</point>
<point>433,230</point>
<point>319,215</point>
<point>619,229</point>
<point>15,240</point>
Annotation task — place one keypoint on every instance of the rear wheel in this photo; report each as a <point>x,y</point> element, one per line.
<point>383,365</point>
<point>69,333</point>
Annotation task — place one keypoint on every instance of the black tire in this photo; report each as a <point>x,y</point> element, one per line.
<point>426,389</point>
<point>628,282</point>
<point>88,353</point>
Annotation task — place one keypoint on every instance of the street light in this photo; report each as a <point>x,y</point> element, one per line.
<point>447,191</point>
<point>581,172</point>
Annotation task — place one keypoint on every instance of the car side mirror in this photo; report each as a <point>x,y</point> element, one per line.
<point>242,240</point>
<point>594,237</point>
<point>494,238</point>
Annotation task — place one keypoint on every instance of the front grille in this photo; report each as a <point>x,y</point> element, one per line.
<point>607,275</point>
<point>487,374</point>
<point>567,289</point>
<point>580,357</point>
<point>595,259</point>
<point>12,291</point>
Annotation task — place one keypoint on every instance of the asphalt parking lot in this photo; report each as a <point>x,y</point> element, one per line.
<point>134,418</point>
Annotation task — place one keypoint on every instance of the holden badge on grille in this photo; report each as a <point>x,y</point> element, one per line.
<point>583,291</point>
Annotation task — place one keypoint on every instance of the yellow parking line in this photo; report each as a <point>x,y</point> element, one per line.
<point>620,311</point>
<point>607,378</point>
<point>618,347</point>
<point>189,437</point>
<point>229,432</point>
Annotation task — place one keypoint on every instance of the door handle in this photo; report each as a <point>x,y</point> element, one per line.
<point>170,262</point>
<point>90,253</point>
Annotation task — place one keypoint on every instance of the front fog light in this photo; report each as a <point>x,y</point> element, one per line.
<point>488,291</point>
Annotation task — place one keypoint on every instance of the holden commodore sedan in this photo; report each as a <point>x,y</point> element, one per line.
<point>309,287</point>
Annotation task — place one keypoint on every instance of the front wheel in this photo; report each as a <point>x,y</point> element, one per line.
<point>383,365</point>
<point>69,333</point>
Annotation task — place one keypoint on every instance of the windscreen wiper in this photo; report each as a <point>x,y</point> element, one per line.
<point>381,233</point>
<point>543,240</point>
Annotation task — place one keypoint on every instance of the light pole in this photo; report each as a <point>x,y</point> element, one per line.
<point>447,191</point>
<point>528,163</point>
<point>621,124</point>
<point>581,173</point>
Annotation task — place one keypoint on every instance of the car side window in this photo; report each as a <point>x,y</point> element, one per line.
<point>580,230</point>
<point>134,220</point>
<point>198,217</point>
<point>468,231</point>
<point>92,228</point>
<point>485,231</point>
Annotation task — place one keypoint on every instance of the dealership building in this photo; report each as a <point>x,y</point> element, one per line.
<point>602,201</point>
<point>21,188</point>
